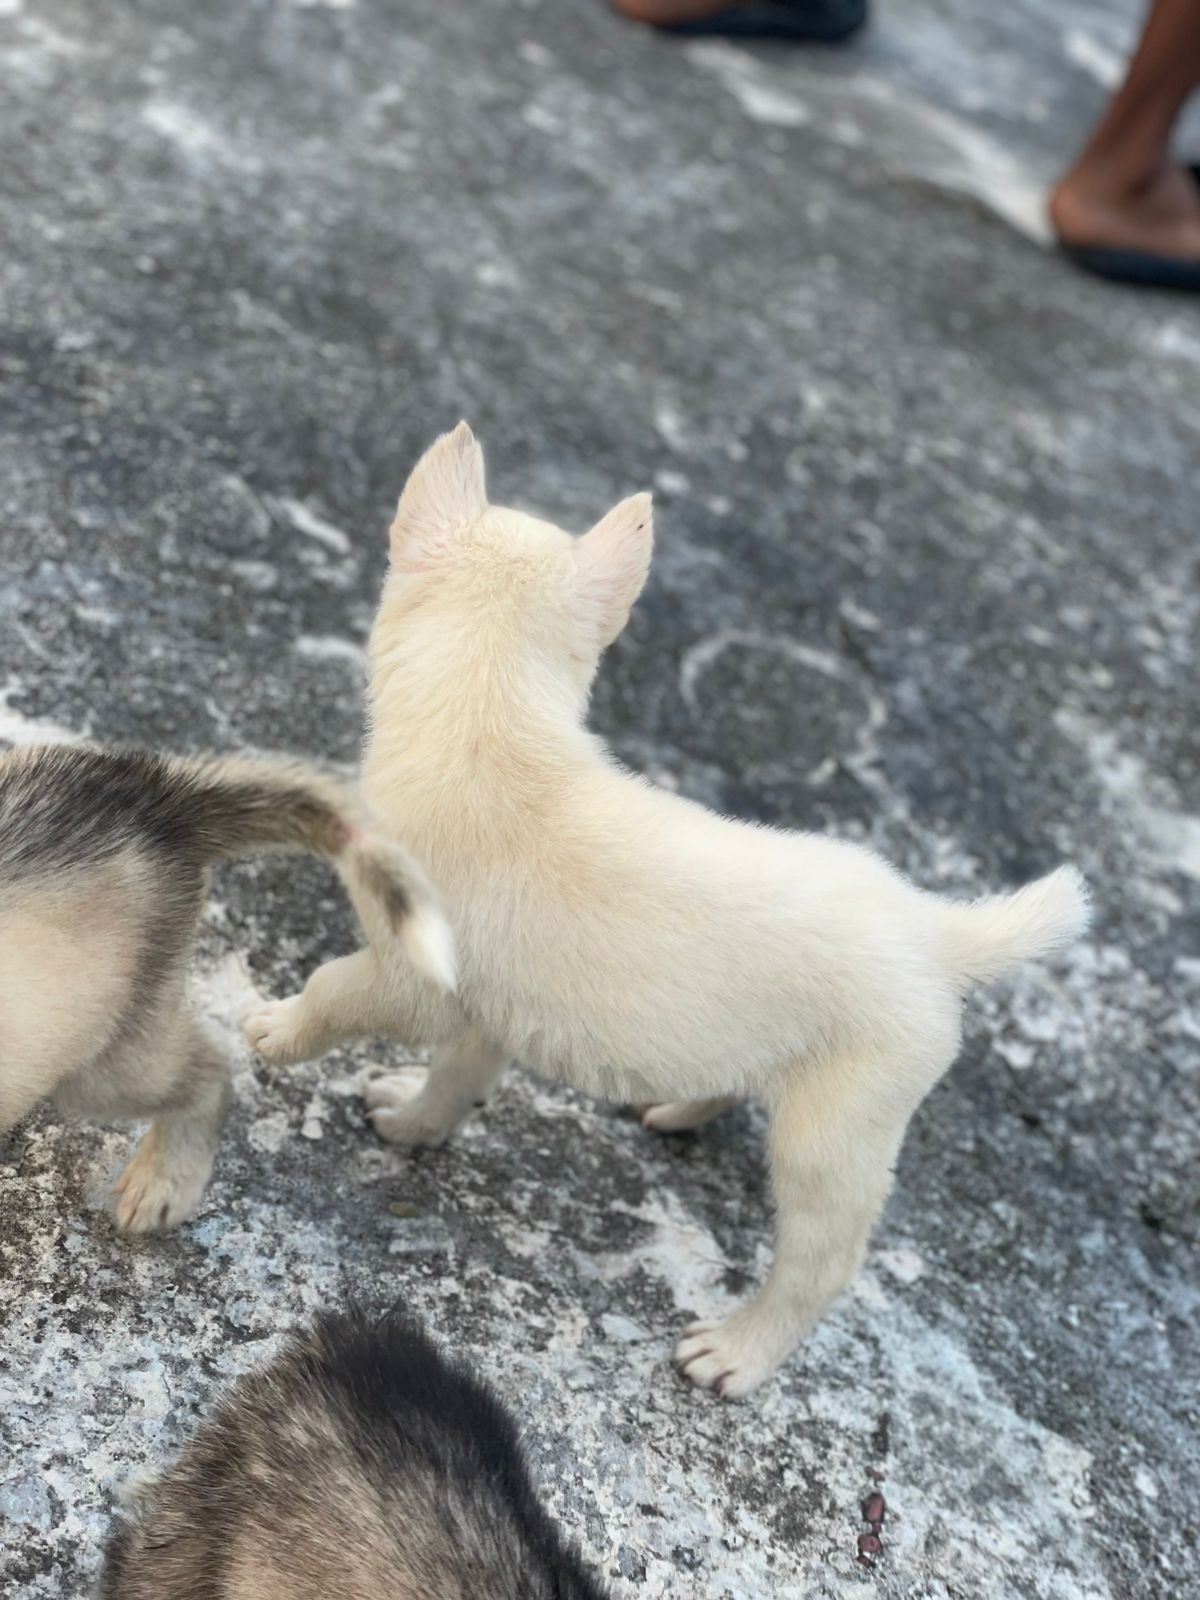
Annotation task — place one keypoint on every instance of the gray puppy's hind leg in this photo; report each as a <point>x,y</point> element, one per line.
<point>17,1100</point>
<point>170,1169</point>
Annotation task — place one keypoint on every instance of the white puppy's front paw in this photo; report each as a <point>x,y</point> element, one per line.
<point>152,1195</point>
<point>272,1028</point>
<point>730,1357</point>
<point>403,1111</point>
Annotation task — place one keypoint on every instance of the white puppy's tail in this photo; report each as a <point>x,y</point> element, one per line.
<point>991,937</point>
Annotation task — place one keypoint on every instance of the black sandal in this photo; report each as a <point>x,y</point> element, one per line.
<point>807,21</point>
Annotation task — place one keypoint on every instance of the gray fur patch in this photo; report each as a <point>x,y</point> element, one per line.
<point>360,1461</point>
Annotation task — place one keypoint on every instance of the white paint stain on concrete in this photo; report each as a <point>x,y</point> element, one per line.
<point>1170,835</point>
<point>702,656</point>
<point>18,728</point>
<point>325,647</point>
<point>309,522</point>
<point>184,128</point>
<point>905,1265</point>
<point>680,1251</point>
<point>738,73</point>
<point>951,154</point>
<point>915,137</point>
<point>1092,56</point>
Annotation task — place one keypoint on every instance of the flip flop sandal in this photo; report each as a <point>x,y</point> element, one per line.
<point>810,21</point>
<point>1141,267</point>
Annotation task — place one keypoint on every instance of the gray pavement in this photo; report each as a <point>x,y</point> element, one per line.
<point>927,576</point>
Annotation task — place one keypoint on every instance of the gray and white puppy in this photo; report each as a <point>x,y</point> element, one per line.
<point>104,858</point>
<point>358,1464</point>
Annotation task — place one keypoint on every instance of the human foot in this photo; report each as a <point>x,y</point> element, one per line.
<point>1097,207</point>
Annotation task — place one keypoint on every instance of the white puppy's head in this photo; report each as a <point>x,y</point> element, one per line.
<point>497,585</point>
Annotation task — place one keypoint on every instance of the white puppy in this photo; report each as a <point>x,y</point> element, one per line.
<point>619,937</point>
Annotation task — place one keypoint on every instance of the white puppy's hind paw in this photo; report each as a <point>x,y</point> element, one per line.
<point>271,1028</point>
<point>728,1357</point>
<point>404,1128</point>
<point>403,1111</point>
<point>392,1089</point>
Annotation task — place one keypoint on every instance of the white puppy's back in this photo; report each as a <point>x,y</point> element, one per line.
<point>636,928</point>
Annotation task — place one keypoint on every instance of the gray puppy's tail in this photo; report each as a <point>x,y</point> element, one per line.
<point>248,805</point>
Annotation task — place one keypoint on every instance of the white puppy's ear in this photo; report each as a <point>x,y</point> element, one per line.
<point>613,561</point>
<point>444,495</point>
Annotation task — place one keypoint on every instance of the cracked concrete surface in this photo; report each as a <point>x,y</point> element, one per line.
<point>927,575</point>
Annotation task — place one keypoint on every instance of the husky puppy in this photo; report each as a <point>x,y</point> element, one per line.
<point>625,939</point>
<point>360,1463</point>
<point>104,858</point>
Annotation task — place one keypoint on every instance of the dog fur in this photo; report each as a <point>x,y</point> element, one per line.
<point>359,1463</point>
<point>104,858</point>
<point>625,939</point>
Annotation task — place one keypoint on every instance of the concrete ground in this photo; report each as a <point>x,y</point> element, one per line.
<point>926,576</point>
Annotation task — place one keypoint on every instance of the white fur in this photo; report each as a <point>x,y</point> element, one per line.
<point>624,939</point>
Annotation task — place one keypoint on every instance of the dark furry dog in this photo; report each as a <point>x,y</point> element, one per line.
<point>104,858</point>
<point>357,1465</point>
